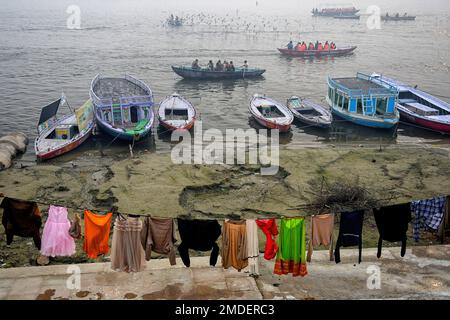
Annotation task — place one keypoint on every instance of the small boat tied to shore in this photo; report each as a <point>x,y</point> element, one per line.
<point>188,72</point>
<point>270,113</point>
<point>364,102</point>
<point>418,107</point>
<point>309,112</point>
<point>318,53</point>
<point>57,136</point>
<point>123,107</point>
<point>176,113</point>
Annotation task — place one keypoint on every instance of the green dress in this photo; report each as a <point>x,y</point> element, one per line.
<point>291,256</point>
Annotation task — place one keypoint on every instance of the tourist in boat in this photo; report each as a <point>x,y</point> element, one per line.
<point>290,45</point>
<point>245,65</point>
<point>231,66</point>
<point>311,46</point>
<point>297,46</point>
<point>210,65</point>
<point>195,64</point>
<point>316,46</point>
<point>303,46</point>
<point>226,66</point>
<point>333,46</point>
<point>219,66</point>
<point>326,47</point>
<point>397,15</point>
<point>320,46</point>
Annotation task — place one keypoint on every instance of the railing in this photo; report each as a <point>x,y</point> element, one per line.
<point>357,93</point>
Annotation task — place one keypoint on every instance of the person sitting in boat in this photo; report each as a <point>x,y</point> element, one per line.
<point>290,45</point>
<point>316,46</point>
<point>297,46</point>
<point>226,66</point>
<point>311,46</point>
<point>245,65</point>
<point>326,46</point>
<point>397,15</point>
<point>333,46</point>
<point>210,65</point>
<point>231,66</point>
<point>219,66</point>
<point>320,46</point>
<point>195,64</point>
<point>303,46</point>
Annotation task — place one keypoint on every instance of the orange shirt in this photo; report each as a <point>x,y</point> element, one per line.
<point>320,47</point>
<point>326,47</point>
<point>96,233</point>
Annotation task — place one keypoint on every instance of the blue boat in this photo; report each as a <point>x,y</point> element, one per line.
<point>122,107</point>
<point>362,101</point>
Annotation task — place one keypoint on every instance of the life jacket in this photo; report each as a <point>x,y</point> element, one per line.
<point>311,46</point>
<point>303,47</point>
<point>320,47</point>
<point>326,47</point>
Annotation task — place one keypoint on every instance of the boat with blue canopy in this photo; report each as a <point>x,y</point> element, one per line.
<point>123,106</point>
<point>364,102</point>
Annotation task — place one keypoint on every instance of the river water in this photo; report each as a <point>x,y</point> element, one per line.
<point>40,57</point>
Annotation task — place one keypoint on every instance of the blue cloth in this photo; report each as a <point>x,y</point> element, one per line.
<point>290,46</point>
<point>428,214</point>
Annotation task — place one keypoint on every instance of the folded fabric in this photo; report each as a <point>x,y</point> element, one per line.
<point>158,235</point>
<point>96,233</point>
<point>198,235</point>
<point>252,246</point>
<point>392,223</point>
<point>321,233</point>
<point>21,218</point>
<point>56,240</point>
<point>291,256</point>
<point>269,228</point>
<point>234,245</point>
<point>350,232</point>
<point>428,214</point>
<point>127,253</point>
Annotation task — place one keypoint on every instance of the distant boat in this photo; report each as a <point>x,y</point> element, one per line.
<point>418,107</point>
<point>175,112</point>
<point>347,17</point>
<point>122,107</point>
<point>332,12</point>
<point>364,102</point>
<point>270,113</point>
<point>309,112</point>
<point>57,136</point>
<point>318,53</point>
<point>206,74</point>
<point>398,18</point>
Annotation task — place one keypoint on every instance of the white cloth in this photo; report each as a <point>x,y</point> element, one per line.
<point>252,246</point>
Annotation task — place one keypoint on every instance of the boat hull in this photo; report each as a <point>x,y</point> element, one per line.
<point>425,123</point>
<point>116,133</point>
<point>364,121</point>
<point>317,53</point>
<point>216,75</point>
<point>169,126</point>
<point>324,125</point>
<point>272,125</point>
<point>65,149</point>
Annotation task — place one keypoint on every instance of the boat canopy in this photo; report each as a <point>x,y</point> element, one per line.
<point>48,115</point>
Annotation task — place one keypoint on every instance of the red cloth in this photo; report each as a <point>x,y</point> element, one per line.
<point>269,227</point>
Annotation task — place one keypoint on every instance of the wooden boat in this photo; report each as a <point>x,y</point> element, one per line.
<point>270,113</point>
<point>206,74</point>
<point>309,112</point>
<point>364,102</point>
<point>332,12</point>
<point>317,53</point>
<point>176,113</point>
<point>57,136</point>
<point>347,17</point>
<point>398,18</point>
<point>122,107</point>
<point>418,107</point>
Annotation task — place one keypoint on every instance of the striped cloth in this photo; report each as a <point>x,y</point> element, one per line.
<point>429,214</point>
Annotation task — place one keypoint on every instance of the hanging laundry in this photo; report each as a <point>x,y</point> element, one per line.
<point>96,233</point>
<point>127,253</point>
<point>269,228</point>
<point>75,227</point>
<point>392,223</point>
<point>198,235</point>
<point>428,214</point>
<point>21,218</point>
<point>350,232</point>
<point>56,240</point>
<point>234,245</point>
<point>158,235</point>
<point>321,233</point>
<point>291,256</point>
<point>252,246</point>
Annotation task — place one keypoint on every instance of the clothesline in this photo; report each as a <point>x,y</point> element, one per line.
<point>275,215</point>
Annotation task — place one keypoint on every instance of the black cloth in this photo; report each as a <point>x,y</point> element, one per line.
<point>21,218</point>
<point>350,232</point>
<point>392,223</point>
<point>199,235</point>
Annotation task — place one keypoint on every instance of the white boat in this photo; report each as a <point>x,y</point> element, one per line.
<point>309,112</point>
<point>270,113</point>
<point>175,112</point>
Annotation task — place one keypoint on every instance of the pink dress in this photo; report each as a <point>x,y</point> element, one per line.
<point>56,240</point>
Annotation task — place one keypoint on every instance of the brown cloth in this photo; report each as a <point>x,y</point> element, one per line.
<point>21,218</point>
<point>234,246</point>
<point>75,227</point>
<point>158,234</point>
<point>321,233</point>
